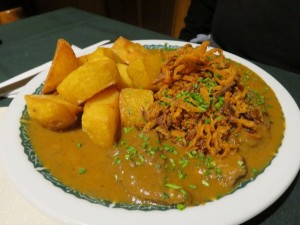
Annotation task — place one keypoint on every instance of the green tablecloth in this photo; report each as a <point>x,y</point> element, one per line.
<point>31,42</point>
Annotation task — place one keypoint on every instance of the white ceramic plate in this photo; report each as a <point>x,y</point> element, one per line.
<point>235,208</point>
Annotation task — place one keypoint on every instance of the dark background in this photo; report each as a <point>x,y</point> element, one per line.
<point>163,16</point>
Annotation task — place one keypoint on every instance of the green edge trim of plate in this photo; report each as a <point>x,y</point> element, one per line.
<point>38,166</point>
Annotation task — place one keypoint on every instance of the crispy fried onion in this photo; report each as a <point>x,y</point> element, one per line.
<point>201,103</point>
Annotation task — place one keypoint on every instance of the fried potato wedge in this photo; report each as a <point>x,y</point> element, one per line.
<point>101,117</point>
<point>89,79</point>
<point>125,80</point>
<point>145,70</point>
<point>64,62</point>
<point>52,112</point>
<point>98,54</point>
<point>133,103</point>
<point>127,51</point>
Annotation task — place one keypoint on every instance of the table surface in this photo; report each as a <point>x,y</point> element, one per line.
<point>31,42</point>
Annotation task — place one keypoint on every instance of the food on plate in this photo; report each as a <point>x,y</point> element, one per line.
<point>171,127</point>
<point>143,65</point>
<point>88,79</point>
<point>203,104</point>
<point>134,103</point>
<point>98,54</point>
<point>144,71</point>
<point>64,62</point>
<point>127,51</point>
<point>125,80</point>
<point>52,111</point>
<point>100,118</point>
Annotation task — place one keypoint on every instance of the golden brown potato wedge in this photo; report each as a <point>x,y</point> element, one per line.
<point>127,51</point>
<point>98,54</point>
<point>64,62</point>
<point>145,70</point>
<point>125,80</point>
<point>88,80</point>
<point>52,111</point>
<point>100,119</point>
<point>133,104</point>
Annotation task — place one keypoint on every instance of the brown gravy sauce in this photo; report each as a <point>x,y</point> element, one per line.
<point>77,162</point>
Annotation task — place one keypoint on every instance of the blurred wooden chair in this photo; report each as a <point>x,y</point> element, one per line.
<point>11,15</point>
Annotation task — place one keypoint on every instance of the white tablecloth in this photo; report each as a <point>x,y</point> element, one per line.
<point>14,209</point>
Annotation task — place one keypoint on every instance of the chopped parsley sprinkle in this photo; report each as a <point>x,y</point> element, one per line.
<point>79,145</point>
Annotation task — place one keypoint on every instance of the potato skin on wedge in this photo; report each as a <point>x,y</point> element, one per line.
<point>89,79</point>
<point>64,62</point>
<point>133,103</point>
<point>52,112</point>
<point>127,51</point>
<point>144,71</point>
<point>125,80</point>
<point>100,119</point>
<point>98,54</point>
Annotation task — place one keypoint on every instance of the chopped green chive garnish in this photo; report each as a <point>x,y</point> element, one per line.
<point>201,156</point>
<point>144,145</point>
<point>128,129</point>
<point>117,160</point>
<point>173,165</point>
<point>240,163</point>
<point>181,206</point>
<point>181,175</point>
<point>218,172</point>
<point>183,162</point>
<point>82,171</point>
<point>217,75</point>
<point>163,103</point>
<point>172,186</point>
<point>179,138</point>
<point>207,121</point>
<point>79,145</point>
<point>163,156</point>
<point>220,102</point>
<point>143,137</point>
<point>192,186</point>
<point>254,171</point>
<point>170,148</point>
<point>165,195</point>
<point>185,194</point>
<point>207,172</point>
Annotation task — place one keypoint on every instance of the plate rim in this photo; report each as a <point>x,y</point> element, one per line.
<point>66,213</point>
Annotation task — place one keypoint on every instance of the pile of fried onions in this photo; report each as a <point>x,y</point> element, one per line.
<point>201,102</point>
